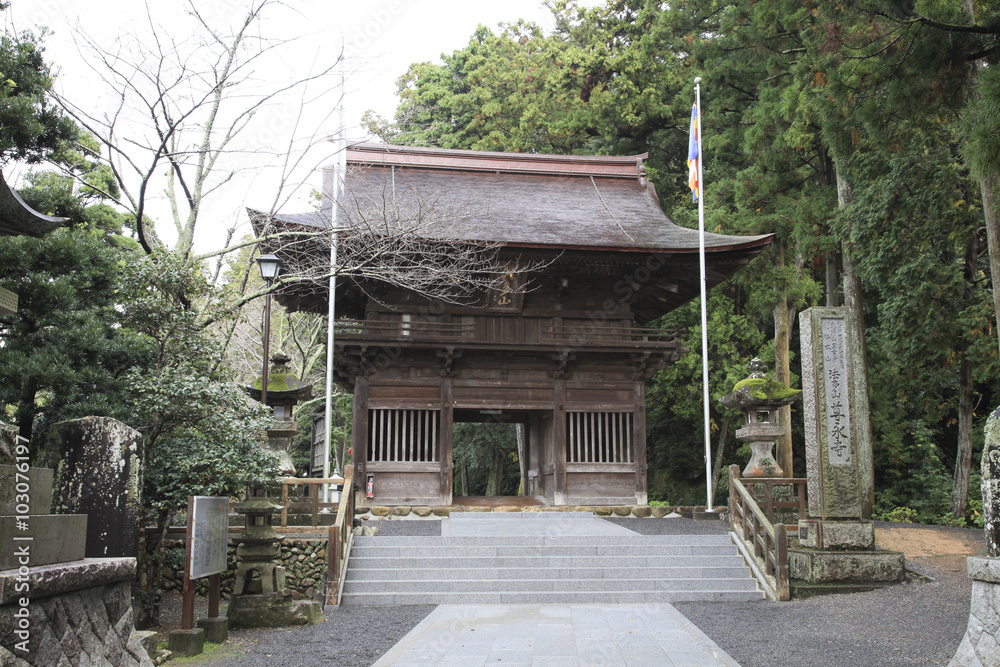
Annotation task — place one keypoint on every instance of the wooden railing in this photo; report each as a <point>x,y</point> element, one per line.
<point>400,330</point>
<point>599,334</point>
<point>766,543</point>
<point>341,537</point>
<point>314,505</point>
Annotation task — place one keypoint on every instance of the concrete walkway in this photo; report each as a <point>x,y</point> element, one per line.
<point>607,635</point>
<point>548,635</point>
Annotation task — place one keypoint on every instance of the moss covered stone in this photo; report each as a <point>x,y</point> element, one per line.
<point>763,389</point>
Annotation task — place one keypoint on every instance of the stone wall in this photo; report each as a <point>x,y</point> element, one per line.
<point>304,560</point>
<point>76,614</point>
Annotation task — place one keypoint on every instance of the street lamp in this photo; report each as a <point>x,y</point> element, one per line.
<point>270,265</point>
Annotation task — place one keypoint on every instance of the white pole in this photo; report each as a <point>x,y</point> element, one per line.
<point>704,298</point>
<point>338,174</point>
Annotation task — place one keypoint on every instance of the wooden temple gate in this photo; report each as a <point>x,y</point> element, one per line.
<point>564,356</point>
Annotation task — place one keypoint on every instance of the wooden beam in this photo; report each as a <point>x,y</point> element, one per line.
<point>559,439</point>
<point>359,429</point>
<point>639,442</point>
<point>447,426</point>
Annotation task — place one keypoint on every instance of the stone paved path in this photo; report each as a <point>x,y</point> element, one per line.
<point>556,636</point>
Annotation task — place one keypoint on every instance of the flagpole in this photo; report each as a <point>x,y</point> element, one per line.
<point>338,174</point>
<point>704,298</point>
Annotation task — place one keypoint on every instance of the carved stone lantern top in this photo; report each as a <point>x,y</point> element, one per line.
<point>284,388</point>
<point>759,398</point>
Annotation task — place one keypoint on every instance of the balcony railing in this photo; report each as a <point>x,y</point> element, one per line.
<point>543,334</point>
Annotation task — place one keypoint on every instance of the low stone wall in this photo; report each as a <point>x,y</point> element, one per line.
<point>76,613</point>
<point>304,560</point>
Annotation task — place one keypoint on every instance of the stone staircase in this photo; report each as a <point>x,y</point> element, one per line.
<point>531,569</point>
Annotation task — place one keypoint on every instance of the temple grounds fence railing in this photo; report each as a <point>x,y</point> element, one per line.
<point>764,539</point>
<point>341,538</point>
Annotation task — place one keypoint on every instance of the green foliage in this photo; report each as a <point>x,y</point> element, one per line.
<point>898,515</point>
<point>31,127</point>
<point>487,452</point>
<point>65,353</point>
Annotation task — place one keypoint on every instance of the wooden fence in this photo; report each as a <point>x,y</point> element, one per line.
<point>341,538</point>
<point>765,540</point>
<point>314,505</point>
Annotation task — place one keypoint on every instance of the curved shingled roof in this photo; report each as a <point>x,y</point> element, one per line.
<point>520,200</point>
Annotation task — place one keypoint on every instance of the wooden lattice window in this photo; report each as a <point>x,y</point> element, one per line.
<point>599,437</point>
<point>403,435</point>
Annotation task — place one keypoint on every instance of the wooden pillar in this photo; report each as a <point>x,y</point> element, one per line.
<point>359,433</point>
<point>447,427</point>
<point>559,440</point>
<point>639,442</point>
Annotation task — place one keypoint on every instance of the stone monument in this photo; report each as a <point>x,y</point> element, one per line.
<point>97,463</point>
<point>57,607</point>
<point>981,644</point>
<point>837,540</point>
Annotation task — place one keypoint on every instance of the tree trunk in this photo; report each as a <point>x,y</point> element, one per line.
<point>782,371</point>
<point>963,459</point>
<point>858,359</point>
<point>832,280</point>
<point>966,390</point>
<point>496,474</point>
<point>988,188</point>
<point>719,450</point>
<point>26,412</point>
<point>464,477</point>
<point>522,461</point>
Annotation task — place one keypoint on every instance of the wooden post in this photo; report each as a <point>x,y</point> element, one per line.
<point>333,563</point>
<point>187,591</point>
<point>781,575</point>
<point>447,443</point>
<point>284,505</point>
<point>639,440</point>
<point>314,490</point>
<point>214,581</point>
<point>559,439</point>
<point>359,429</point>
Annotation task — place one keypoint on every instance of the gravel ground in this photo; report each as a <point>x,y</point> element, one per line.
<point>919,622</point>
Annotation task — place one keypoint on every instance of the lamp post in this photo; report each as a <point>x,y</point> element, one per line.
<point>269,265</point>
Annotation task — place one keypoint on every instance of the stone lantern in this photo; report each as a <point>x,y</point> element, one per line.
<point>260,598</point>
<point>284,392</point>
<point>760,399</point>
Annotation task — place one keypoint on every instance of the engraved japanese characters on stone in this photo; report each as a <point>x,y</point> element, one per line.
<point>838,421</point>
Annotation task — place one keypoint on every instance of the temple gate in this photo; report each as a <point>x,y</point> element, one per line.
<point>559,349</point>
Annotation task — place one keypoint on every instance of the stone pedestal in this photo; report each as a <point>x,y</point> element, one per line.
<point>980,646</point>
<point>216,629</point>
<point>29,534</point>
<point>838,539</point>
<point>183,643</point>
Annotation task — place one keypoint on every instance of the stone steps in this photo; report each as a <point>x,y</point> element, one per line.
<point>546,569</point>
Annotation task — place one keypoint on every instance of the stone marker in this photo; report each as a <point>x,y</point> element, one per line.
<point>981,643</point>
<point>838,464</point>
<point>97,462</point>
<point>838,489</point>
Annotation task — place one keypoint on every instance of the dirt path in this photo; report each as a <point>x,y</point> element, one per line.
<point>931,549</point>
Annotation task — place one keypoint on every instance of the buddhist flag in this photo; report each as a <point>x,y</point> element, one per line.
<point>694,152</point>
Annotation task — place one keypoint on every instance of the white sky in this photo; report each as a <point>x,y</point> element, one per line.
<point>383,37</point>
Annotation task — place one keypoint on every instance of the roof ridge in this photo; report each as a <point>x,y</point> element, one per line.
<point>604,166</point>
